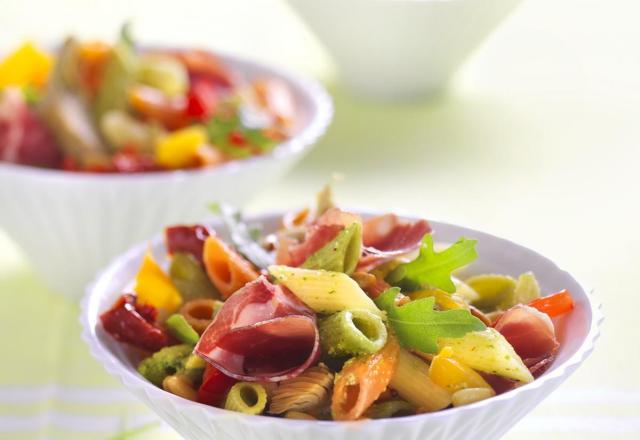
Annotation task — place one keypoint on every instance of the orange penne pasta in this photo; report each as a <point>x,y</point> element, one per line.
<point>227,270</point>
<point>362,380</point>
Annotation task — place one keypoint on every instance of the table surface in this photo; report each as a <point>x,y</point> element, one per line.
<point>537,140</point>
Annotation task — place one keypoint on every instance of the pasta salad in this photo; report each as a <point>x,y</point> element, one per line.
<point>333,317</point>
<point>100,107</point>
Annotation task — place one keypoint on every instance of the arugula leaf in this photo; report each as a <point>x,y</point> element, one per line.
<point>221,128</point>
<point>419,326</point>
<point>242,236</point>
<point>434,268</point>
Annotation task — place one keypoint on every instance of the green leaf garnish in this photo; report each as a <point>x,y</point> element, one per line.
<point>221,128</point>
<point>418,326</point>
<point>126,34</point>
<point>433,268</point>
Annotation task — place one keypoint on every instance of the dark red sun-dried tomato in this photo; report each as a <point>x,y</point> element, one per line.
<point>189,239</point>
<point>131,324</point>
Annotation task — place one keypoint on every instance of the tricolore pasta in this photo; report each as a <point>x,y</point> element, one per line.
<point>336,318</point>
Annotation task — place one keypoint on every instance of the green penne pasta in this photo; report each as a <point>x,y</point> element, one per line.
<point>341,254</point>
<point>247,398</point>
<point>392,408</point>
<point>494,291</point>
<point>353,333</point>
<point>324,291</point>
<point>189,277</point>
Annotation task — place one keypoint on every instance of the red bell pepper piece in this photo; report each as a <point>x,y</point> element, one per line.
<point>555,304</point>
<point>133,324</point>
<point>189,239</point>
<point>237,138</point>
<point>202,99</point>
<point>215,386</point>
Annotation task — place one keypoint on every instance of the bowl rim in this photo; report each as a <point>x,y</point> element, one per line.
<point>295,145</point>
<point>130,380</point>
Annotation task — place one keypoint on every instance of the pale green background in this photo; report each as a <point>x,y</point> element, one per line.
<point>538,140</point>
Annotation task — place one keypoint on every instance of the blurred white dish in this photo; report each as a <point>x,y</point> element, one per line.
<point>401,49</point>
<point>71,224</point>
<point>488,419</point>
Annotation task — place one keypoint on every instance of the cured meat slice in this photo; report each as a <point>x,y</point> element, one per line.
<point>262,333</point>
<point>532,335</point>
<point>388,236</point>
<point>325,229</point>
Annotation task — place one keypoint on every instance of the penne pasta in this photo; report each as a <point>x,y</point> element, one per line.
<point>306,392</point>
<point>227,270</point>
<point>390,408</point>
<point>468,396</point>
<point>488,351</point>
<point>341,254</point>
<point>352,333</point>
<point>412,382</point>
<point>362,381</point>
<point>494,291</point>
<point>247,398</point>
<point>527,289</point>
<point>323,291</point>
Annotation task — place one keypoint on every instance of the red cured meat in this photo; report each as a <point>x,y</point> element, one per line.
<point>325,229</point>
<point>24,139</point>
<point>532,335</point>
<point>262,333</point>
<point>388,236</point>
<point>189,239</point>
<point>318,236</point>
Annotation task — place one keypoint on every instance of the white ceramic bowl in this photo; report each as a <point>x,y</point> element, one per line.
<point>71,224</point>
<point>488,419</point>
<point>401,49</point>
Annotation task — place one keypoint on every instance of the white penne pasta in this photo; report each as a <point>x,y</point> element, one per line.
<point>471,395</point>
<point>527,289</point>
<point>323,291</point>
<point>488,351</point>
<point>411,381</point>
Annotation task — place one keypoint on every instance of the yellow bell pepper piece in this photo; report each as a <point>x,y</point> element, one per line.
<point>154,287</point>
<point>28,65</point>
<point>452,374</point>
<point>180,148</point>
<point>444,300</point>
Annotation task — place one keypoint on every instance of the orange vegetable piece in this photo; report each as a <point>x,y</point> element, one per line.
<point>453,375</point>
<point>227,270</point>
<point>154,287</point>
<point>362,381</point>
<point>28,65</point>
<point>555,304</point>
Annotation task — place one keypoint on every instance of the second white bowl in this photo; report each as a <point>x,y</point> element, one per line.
<point>401,49</point>
<point>488,419</point>
<point>71,224</point>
